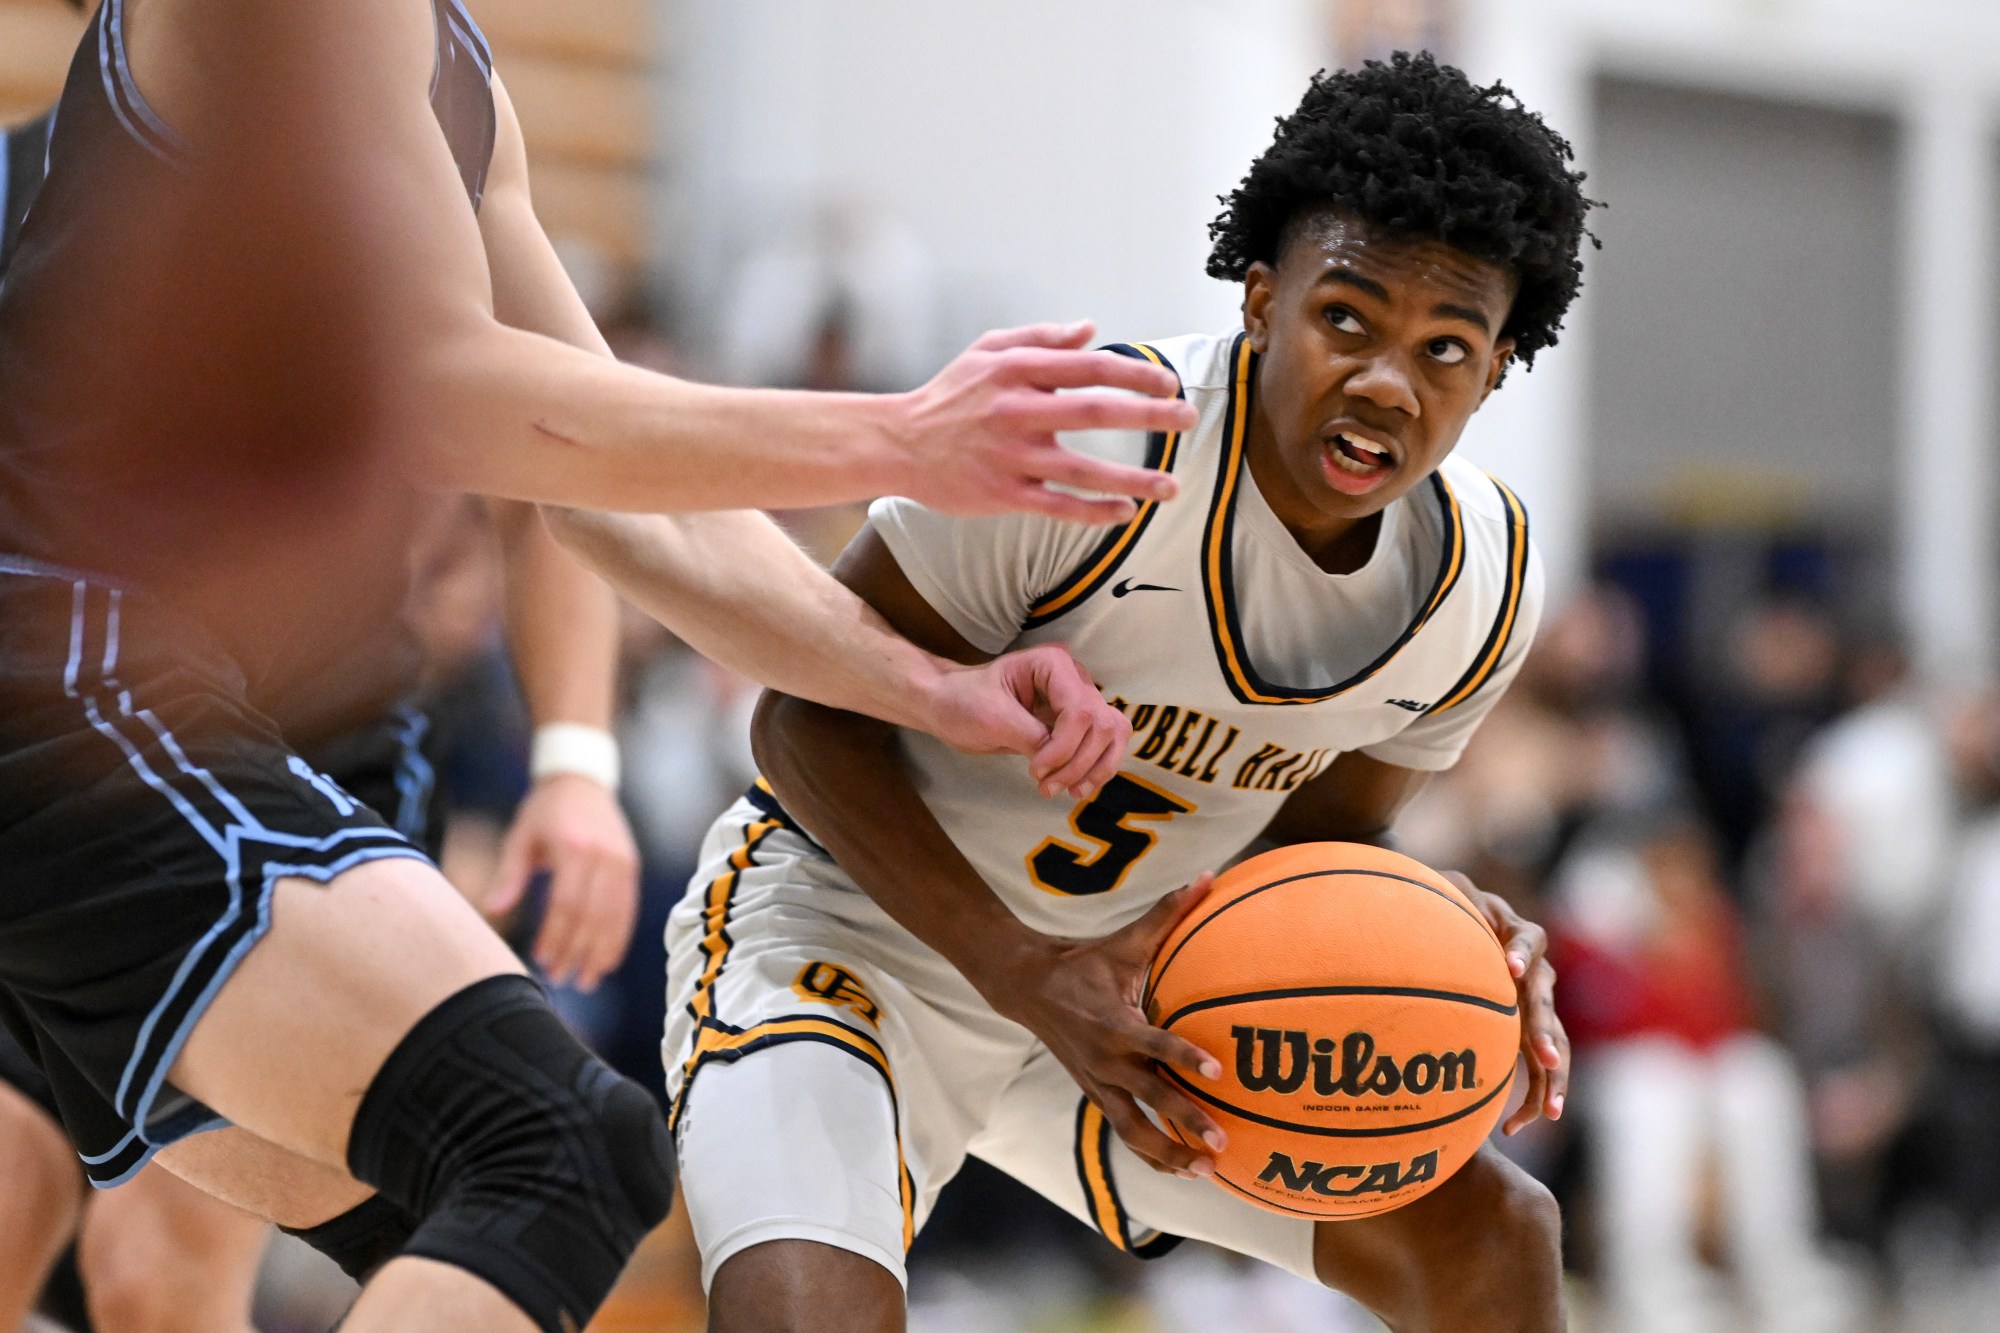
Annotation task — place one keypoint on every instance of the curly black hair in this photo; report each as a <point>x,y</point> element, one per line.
<point>1416,149</point>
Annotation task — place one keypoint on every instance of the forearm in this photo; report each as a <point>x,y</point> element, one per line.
<point>843,777</point>
<point>743,594</point>
<point>515,414</point>
<point>562,624</point>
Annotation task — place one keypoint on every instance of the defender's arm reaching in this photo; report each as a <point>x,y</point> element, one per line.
<point>1079,997</point>
<point>319,181</point>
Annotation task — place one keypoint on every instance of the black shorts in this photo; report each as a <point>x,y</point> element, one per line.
<point>146,811</point>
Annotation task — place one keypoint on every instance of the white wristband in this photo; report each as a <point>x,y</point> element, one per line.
<point>571,747</point>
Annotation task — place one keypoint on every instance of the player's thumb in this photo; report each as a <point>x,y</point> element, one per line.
<point>510,876</point>
<point>1159,922</point>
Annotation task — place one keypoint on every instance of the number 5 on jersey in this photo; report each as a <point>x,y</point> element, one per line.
<point>1116,821</point>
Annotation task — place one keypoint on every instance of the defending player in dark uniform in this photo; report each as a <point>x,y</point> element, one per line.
<point>160,1255</point>
<point>256,308</point>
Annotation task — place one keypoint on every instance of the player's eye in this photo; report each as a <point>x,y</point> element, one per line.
<point>1343,319</point>
<point>1448,351</point>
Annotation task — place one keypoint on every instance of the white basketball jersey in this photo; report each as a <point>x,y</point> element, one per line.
<point>1166,614</point>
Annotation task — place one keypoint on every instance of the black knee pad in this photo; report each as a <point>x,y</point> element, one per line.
<point>531,1164</point>
<point>363,1238</point>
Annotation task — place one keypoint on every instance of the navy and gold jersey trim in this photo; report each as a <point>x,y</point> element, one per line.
<point>766,800</point>
<point>1098,567</point>
<point>719,1042</point>
<point>717,900</point>
<point>1218,561</point>
<point>1494,650</point>
<point>1100,1191</point>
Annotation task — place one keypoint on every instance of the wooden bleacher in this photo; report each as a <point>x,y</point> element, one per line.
<point>581,72</point>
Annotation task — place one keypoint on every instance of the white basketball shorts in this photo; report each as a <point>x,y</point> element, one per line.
<point>829,1073</point>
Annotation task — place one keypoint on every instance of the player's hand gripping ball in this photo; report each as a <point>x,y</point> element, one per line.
<point>1365,1018</point>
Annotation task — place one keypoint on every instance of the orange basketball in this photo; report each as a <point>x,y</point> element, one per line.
<point>1365,1020</point>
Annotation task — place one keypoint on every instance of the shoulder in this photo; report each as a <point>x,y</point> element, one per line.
<point>1203,361</point>
<point>1499,545</point>
<point>1483,499</point>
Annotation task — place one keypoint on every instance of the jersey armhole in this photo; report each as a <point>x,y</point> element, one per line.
<point>1097,568</point>
<point>1494,650</point>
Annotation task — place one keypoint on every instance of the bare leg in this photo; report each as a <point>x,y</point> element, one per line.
<point>792,1286</point>
<point>1482,1253</point>
<point>159,1256</point>
<point>258,1177</point>
<point>42,1199</point>
<point>294,1039</point>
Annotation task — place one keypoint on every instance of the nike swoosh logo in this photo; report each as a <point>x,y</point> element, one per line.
<point>1126,585</point>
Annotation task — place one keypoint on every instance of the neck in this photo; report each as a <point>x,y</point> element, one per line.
<point>1337,545</point>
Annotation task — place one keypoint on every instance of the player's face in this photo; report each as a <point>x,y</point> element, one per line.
<point>1374,352</point>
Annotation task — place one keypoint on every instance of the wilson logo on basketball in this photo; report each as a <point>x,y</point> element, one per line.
<point>1275,1060</point>
<point>1332,1181</point>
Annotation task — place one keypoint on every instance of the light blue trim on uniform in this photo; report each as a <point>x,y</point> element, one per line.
<point>227,843</point>
<point>322,784</point>
<point>151,1150</point>
<point>76,597</point>
<point>227,967</point>
<point>42,569</point>
<point>122,91</point>
<point>111,1152</point>
<point>415,777</point>
<point>5,182</point>
<point>224,797</point>
<point>112,620</point>
<point>471,34</point>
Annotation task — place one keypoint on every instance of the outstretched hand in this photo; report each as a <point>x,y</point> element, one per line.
<point>1543,1041</point>
<point>572,827</point>
<point>980,438</point>
<point>1083,999</point>
<point>1038,702</point>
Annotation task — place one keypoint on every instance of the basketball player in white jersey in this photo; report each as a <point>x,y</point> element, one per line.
<point>897,955</point>
<point>283,280</point>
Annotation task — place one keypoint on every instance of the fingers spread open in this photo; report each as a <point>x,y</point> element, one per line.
<point>1052,369</point>
<point>1037,335</point>
<point>1101,411</point>
<point>1035,499</point>
<point>1067,468</point>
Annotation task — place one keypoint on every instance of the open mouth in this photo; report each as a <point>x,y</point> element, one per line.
<point>1357,459</point>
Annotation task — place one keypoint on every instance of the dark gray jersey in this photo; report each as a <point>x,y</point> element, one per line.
<point>316,622</point>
